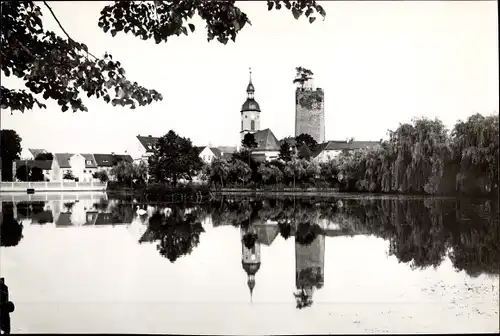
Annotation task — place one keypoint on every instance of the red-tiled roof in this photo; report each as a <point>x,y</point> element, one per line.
<point>147,142</point>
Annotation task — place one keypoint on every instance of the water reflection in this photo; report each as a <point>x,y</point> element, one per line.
<point>178,232</point>
<point>420,232</point>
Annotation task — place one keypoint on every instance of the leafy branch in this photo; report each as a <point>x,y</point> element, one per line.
<point>58,68</point>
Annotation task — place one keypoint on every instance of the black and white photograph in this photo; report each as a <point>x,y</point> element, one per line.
<point>221,167</point>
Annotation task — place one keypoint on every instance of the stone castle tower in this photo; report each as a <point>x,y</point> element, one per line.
<point>250,259</point>
<point>310,111</point>
<point>250,112</point>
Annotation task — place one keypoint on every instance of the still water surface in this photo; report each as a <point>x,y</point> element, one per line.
<point>86,263</point>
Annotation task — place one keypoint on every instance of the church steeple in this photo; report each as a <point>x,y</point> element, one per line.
<point>250,256</point>
<point>250,87</point>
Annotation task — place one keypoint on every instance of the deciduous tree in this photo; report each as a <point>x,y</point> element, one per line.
<point>10,149</point>
<point>174,158</point>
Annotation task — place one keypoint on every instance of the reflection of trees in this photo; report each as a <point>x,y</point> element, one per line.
<point>419,231</point>
<point>249,239</point>
<point>122,213</point>
<point>11,231</point>
<point>177,233</point>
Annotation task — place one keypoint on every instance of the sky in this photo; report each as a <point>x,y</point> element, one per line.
<point>380,64</point>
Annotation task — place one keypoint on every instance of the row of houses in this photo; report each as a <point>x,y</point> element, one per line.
<point>84,165</point>
<point>268,148</point>
<point>81,165</point>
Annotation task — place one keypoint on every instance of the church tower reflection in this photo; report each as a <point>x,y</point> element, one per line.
<point>309,269</point>
<point>250,255</point>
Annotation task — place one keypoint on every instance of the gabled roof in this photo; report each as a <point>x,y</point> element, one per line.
<point>344,145</point>
<point>216,152</point>
<point>266,140</point>
<point>109,160</point>
<point>147,142</point>
<point>92,163</point>
<point>35,151</point>
<point>62,159</point>
<point>42,164</point>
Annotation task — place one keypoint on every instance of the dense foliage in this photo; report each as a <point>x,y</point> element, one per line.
<point>10,150</point>
<point>420,157</point>
<point>174,158</point>
<point>26,173</point>
<point>130,174</point>
<point>63,70</point>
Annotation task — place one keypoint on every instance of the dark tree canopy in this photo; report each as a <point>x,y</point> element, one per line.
<point>249,141</point>
<point>285,153</point>
<point>306,139</point>
<point>10,149</point>
<point>44,156</point>
<point>174,158</point>
<point>63,70</point>
<point>26,173</point>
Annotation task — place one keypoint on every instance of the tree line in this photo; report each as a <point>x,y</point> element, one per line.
<point>420,157</point>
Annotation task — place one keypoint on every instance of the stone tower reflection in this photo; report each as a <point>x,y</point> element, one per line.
<point>309,269</point>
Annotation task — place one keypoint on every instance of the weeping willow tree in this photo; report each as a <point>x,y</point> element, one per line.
<point>423,157</point>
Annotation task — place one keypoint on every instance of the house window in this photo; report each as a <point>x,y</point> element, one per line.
<point>84,171</point>
<point>89,162</point>
<point>252,125</point>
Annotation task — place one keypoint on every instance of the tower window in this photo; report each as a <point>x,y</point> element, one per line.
<point>246,116</point>
<point>252,125</point>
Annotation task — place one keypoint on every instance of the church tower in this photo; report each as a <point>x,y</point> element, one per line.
<point>250,258</point>
<point>250,112</point>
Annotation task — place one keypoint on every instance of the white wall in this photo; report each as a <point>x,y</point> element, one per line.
<point>206,155</point>
<point>77,163</point>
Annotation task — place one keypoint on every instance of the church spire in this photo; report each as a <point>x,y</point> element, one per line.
<point>250,87</point>
<point>251,286</point>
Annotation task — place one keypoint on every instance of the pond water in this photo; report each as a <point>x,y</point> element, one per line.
<point>87,263</point>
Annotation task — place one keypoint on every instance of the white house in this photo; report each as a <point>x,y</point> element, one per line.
<point>141,148</point>
<point>65,162</point>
